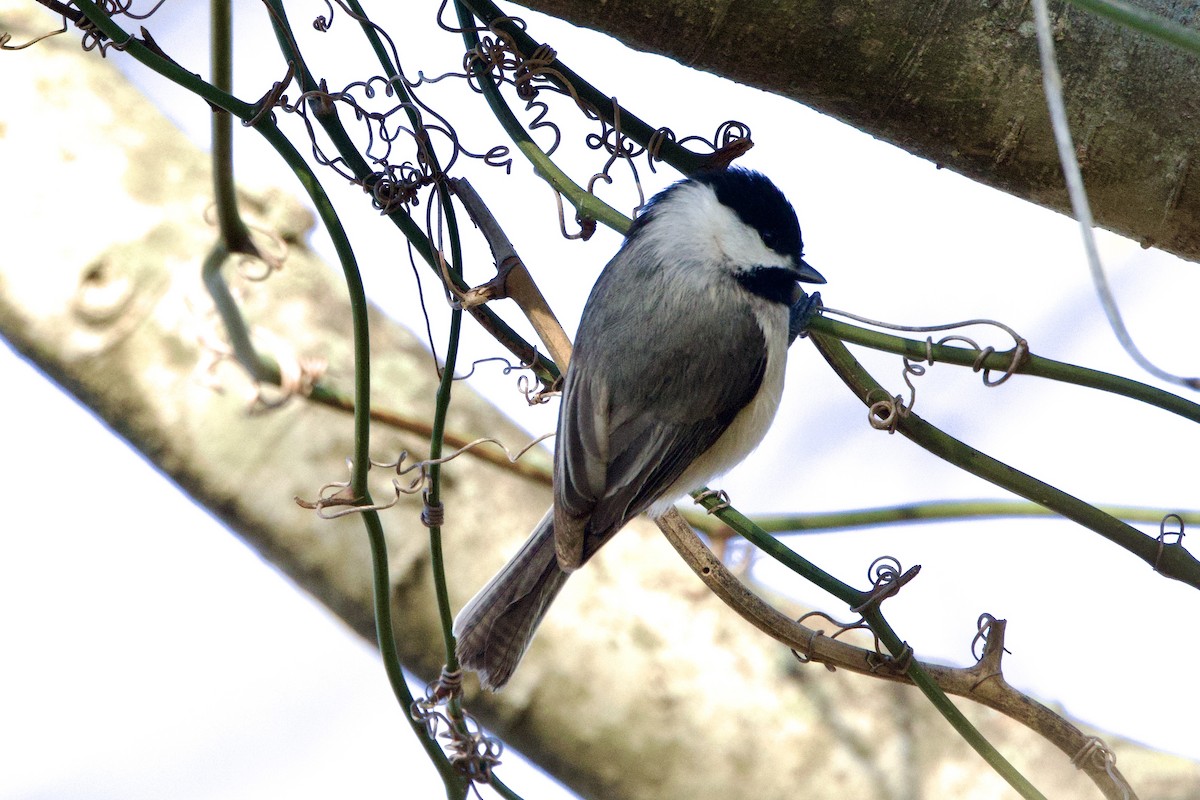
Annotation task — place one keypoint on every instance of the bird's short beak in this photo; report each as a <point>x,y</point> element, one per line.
<point>806,274</point>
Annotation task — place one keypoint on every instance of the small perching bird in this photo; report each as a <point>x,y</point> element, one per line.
<point>676,375</point>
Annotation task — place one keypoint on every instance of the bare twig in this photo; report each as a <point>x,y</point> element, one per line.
<point>984,683</point>
<point>512,278</point>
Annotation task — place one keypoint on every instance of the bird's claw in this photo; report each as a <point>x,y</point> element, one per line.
<point>801,313</point>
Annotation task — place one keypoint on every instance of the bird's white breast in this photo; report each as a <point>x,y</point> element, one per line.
<point>751,423</point>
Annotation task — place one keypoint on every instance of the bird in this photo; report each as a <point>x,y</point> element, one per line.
<point>676,375</point>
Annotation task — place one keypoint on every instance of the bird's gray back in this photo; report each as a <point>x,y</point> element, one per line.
<point>628,426</point>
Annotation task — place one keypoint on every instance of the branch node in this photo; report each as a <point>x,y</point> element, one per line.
<point>1163,533</point>
<point>472,752</point>
<point>1095,749</point>
<point>272,97</point>
<point>433,515</point>
<point>886,575</point>
<point>987,664</point>
<point>885,414</point>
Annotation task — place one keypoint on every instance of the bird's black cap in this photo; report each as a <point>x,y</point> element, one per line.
<point>760,204</point>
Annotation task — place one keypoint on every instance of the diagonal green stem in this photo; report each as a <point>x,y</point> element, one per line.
<point>1172,560</point>
<point>586,204</point>
<point>945,706</point>
<point>729,515</point>
<point>328,118</point>
<point>631,125</point>
<point>872,616</point>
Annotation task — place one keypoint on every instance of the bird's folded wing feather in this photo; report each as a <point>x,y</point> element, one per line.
<point>625,438</point>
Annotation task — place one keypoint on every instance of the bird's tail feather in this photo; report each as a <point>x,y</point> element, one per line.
<point>494,629</point>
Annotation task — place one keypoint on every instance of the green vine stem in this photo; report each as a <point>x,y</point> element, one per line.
<point>931,511</point>
<point>233,235</point>
<point>938,699</point>
<point>806,640</point>
<point>1036,366</point>
<point>436,441</point>
<point>631,125</point>
<point>137,49</point>
<point>433,497</point>
<point>455,783</point>
<point>1172,560</point>
<point>587,205</point>
<point>233,231</point>
<point>797,563</point>
<point>261,370</point>
<point>502,789</point>
<point>546,371</point>
<point>265,125</point>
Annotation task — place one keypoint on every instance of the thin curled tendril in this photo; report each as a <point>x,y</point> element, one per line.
<point>884,570</point>
<point>841,628</point>
<point>1163,533</point>
<point>496,58</point>
<point>335,500</point>
<point>472,752</point>
<point>323,23</point>
<point>508,368</point>
<point>382,121</point>
<point>1094,746</point>
<point>95,39</point>
<point>884,414</point>
<point>125,9</point>
<point>6,38</point>
<point>395,177</point>
<point>887,577</point>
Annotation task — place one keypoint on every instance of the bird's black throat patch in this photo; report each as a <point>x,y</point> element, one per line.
<point>777,284</point>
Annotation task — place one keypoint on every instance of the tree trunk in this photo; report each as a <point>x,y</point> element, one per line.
<point>959,84</point>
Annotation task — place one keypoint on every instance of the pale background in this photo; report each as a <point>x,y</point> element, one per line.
<point>168,660</point>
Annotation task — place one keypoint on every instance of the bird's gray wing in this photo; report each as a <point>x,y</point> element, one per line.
<point>637,412</point>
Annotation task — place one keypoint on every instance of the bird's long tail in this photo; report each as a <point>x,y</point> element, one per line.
<point>494,629</point>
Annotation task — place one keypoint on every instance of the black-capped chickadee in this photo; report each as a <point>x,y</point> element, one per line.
<point>676,376</point>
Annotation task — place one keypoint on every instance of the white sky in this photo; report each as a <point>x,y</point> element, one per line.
<point>232,684</point>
